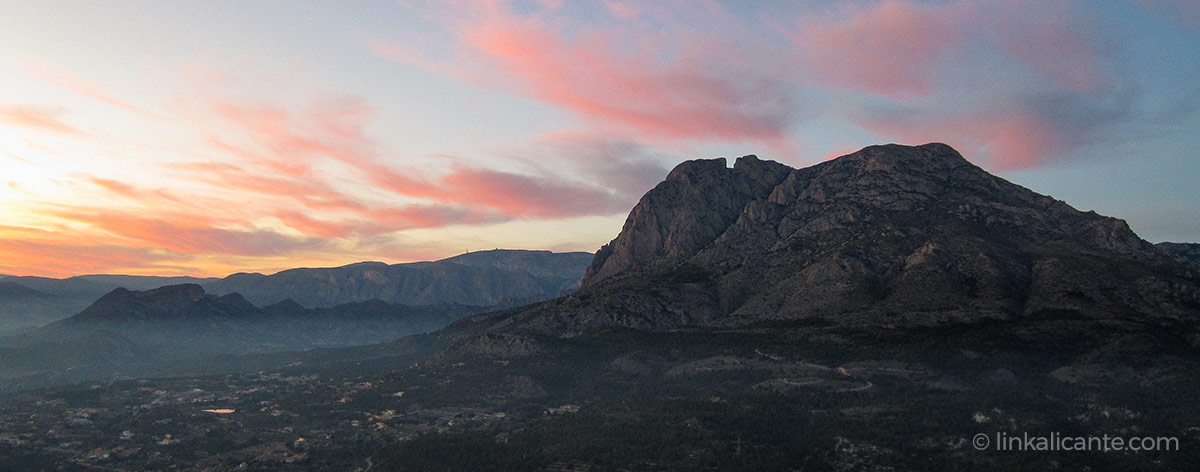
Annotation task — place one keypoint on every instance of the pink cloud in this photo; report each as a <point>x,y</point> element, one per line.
<point>133,192</point>
<point>434,216</point>
<point>185,233</point>
<point>510,195</point>
<point>525,196</point>
<point>317,210</point>
<point>1052,38</point>
<point>893,48</point>
<point>1024,82</point>
<point>289,142</point>
<point>902,49</point>
<point>1005,139</point>
<point>664,93</point>
<point>320,228</point>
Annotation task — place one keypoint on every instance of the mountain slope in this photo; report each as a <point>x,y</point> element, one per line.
<point>180,321</point>
<point>1187,253</point>
<point>60,298</point>
<point>12,291</point>
<point>485,278</point>
<point>171,330</point>
<point>481,278</point>
<point>890,236</point>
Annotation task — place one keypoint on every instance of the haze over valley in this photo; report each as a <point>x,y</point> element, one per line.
<point>537,235</point>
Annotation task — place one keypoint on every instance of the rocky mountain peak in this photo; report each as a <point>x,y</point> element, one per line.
<point>696,203</point>
<point>190,292</point>
<point>930,157</point>
<point>702,199</point>
<point>183,293</point>
<point>697,170</point>
<point>890,234</point>
<point>172,301</point>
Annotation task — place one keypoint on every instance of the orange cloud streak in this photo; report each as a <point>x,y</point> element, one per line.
<point>35,117</point>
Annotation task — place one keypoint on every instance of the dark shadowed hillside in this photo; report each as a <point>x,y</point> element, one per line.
<point>130,331</point>
<point>56,299</point>
<point>184,321</point>
<point>1187,253</point>
<point>15,291</point>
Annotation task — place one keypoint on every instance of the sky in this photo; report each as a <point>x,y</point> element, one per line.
<point>211,137</point>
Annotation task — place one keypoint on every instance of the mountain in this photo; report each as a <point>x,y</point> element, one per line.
<point>129,331</point>
<point>150,329</point>
<point>184,321</point>
<point>890,236</point>
<point>60,298</point>
<point>495,277</point>
<point>485,278</point>
<point>12,291</point>
<point>1187,253</point>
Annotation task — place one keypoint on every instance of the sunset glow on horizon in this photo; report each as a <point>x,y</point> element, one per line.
<point>206,138</point>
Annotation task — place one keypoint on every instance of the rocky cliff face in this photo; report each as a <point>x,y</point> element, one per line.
<point>1187,253</point>
<point>697,203</point>
<point>887,236</point>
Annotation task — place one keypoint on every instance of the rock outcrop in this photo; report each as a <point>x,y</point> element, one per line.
<point>887,236</point>
<point>1187,253</point>
<point>697,203</point>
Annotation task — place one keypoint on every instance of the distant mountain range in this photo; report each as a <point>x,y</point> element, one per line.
<point>179,321</point>
<point>151,329</point>
<point>127,332</point>
<point>27,301</point>
<point>497,277</point>
<point>485,278</point>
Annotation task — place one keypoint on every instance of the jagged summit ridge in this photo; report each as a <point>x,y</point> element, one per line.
<point>702,199</point>
<point>179,301</point>
<point>477,278</point>
<point>763,205</point>
<point>888,235</point>
<point>698,200</point>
